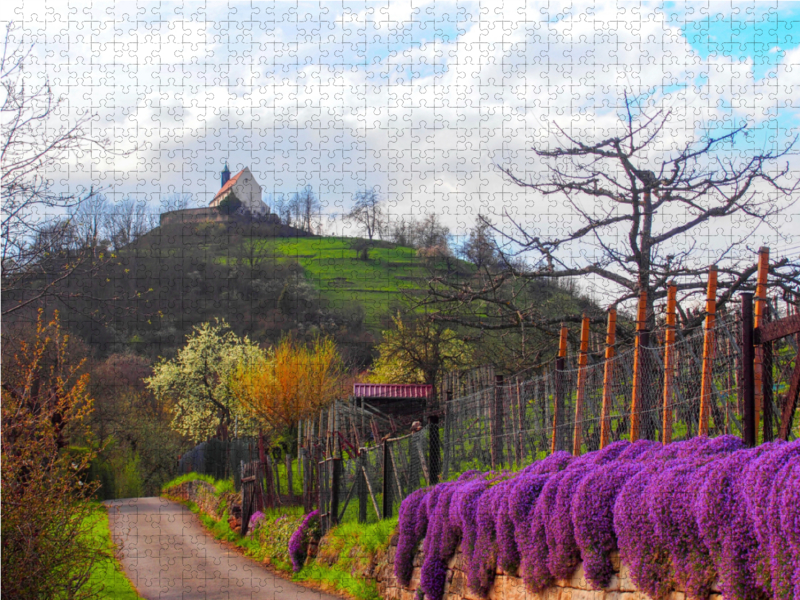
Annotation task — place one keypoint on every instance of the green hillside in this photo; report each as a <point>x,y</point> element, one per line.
<point>333,267</point>
<point>265,281</point>
<point>269,281</point>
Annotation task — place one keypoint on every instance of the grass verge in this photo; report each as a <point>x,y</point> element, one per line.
<point>344,555</point>
<point>107,574</point>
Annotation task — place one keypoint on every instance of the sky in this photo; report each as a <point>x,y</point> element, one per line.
<point>422,100</point>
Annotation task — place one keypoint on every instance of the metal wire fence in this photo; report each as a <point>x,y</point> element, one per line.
<point>657,393</point>
<point>355,462</point>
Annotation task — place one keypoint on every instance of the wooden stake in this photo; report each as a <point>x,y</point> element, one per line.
<point>520,425</point>
<point>582,361</point>
<point>708,352</point>
<point>669,365</point>
<point>558,412</point>
<point>759,309</point>
<point>608,373</point>
<point>641,325</point>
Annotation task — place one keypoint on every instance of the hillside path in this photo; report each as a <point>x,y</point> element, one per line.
<point>167,554</point>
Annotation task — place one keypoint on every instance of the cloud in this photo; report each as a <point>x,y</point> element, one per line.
<point>422,100</point>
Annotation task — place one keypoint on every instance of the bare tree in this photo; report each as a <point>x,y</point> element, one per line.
<point>634,228</point>
<point>480,247</point>
<point>428,232</point>
<point>282,207</point>
<point>305,209</point>
<point>400,231</point>
<point>127,221</point>
<point>35,140</point>
<point>89,221</point>
<point>176,201</point>
<point>367,212</point>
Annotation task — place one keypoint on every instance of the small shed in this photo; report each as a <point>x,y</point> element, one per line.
<point>398,400</point>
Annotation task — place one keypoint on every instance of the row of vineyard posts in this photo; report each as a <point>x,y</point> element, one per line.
<point>339,468</point>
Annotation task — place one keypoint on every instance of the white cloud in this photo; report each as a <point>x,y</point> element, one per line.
<point>341,98</point>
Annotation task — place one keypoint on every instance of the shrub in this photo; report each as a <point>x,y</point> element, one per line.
<point>47,547</point>
<point>298,543</point>
<point>680,515</point>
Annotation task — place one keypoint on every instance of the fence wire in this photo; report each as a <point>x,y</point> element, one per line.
<point>355,463</point>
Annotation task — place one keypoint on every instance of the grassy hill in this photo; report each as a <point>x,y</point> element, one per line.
<point>263,282</point>
<point>266,281</point>
<point>333,267</point>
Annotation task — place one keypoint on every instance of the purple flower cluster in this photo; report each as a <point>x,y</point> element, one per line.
<point>255,519</point>
<point>680,516</point>
<point>298,543</point>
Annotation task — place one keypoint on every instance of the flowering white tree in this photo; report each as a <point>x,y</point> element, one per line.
<point>197,382</point>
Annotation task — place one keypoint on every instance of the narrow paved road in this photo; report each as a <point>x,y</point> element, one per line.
<point>169,555</point>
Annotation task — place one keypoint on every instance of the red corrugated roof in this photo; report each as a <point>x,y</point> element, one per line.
<point>391,390</point>
<point>228,184</point>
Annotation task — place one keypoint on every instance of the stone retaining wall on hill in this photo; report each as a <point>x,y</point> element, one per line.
<point>509,587</point>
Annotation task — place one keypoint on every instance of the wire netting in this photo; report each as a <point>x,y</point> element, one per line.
<point>358,464</point>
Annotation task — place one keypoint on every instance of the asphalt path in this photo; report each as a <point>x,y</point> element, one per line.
<point>167,554</point>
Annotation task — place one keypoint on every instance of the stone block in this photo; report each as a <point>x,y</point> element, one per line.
<point>613,584</point>
<point>577,580</point>
<point>625,583</point>
<point>458,585</point>
<point>580,594</point>
<point>615,561</point>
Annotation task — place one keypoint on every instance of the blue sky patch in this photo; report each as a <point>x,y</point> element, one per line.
<point>757,32</point>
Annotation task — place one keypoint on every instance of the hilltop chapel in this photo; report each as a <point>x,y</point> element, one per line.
<point>243,187</point>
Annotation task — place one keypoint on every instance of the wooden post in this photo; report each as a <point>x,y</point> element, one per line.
<point>362,487</point>
<point>520,426</point>
<point>708,353</point>
<point>558,412</point>
<point>448,425</point>
<point>497,423</point>
<point>608,374</point>
<point>583,358</point>
<point>766,382</point>
<point>748,376</point>
<point>387,481</point>
<point>636,400</point>
<point>335,479</point>
<point>669,363</point>
<point>759,308</point>
<point>434,449</point>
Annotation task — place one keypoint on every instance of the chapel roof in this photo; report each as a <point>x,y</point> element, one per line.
<point>228,185</point>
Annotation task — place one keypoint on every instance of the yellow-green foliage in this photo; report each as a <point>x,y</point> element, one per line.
<point>106,574</point>
<point>270,540</point>
<point>345,558</point>
<point>345,554</point>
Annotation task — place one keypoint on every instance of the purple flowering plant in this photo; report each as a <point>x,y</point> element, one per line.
<point>298,543</point>
<point>255,519</point>
<point>680,516</point>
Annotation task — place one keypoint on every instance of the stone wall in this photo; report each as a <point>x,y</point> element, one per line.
<point>509,587</point>
<point>208,500</point>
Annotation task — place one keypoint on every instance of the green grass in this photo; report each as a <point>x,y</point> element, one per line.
<point>331,265</point>
<point>350,544</point>
<point>340,580</point>
<point>220,485</point>
<point>107,574</point>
